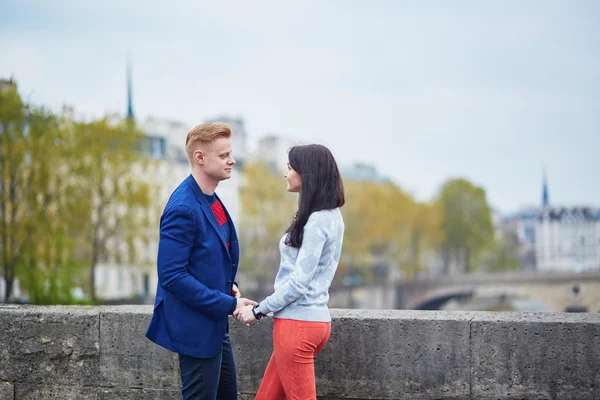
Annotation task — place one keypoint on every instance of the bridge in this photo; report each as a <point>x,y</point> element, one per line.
<point>557,291</point>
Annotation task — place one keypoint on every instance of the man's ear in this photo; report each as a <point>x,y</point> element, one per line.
<point>199,157</point>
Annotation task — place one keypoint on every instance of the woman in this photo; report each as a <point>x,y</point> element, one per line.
<point>310,251</point>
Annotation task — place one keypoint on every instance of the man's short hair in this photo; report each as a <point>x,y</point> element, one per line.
<point>205,134</point>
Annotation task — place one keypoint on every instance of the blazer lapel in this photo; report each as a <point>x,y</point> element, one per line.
<point>210,215</point>
<point>208,212</point>
<point>233,239</point>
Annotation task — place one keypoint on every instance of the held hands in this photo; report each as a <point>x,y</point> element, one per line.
<point>245,314</point>
<point>243,302</point>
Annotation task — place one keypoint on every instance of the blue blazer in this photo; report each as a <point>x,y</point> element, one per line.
<point>196,272</point>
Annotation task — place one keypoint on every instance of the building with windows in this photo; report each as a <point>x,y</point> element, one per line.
<point>557,238</point>
<point>568,239</point>
<point>522,225</point>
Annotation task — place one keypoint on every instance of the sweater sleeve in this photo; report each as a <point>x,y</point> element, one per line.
<point>305,269</point>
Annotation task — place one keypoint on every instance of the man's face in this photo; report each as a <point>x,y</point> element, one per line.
<point>218,161</point>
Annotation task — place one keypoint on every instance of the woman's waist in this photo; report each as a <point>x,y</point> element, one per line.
<point>304,312</point>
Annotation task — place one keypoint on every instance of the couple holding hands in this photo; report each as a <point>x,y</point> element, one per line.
<point>198,256</point>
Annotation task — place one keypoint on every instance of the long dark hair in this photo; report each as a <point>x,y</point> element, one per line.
<point>322,186</point>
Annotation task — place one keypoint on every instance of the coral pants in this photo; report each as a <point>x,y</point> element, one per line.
<point>291,370</point>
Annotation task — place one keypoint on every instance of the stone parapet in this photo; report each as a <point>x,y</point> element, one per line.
<point>62,353</point>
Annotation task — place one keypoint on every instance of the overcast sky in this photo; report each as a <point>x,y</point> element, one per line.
<point>492,91</point>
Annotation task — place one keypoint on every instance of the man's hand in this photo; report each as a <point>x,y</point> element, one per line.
<point>235,291</point>
<point>245,314</point>
<point>242,302</point>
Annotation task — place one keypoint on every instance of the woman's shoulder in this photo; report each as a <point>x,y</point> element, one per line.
<point>326,217</point>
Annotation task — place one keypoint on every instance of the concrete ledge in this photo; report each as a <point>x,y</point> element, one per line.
<point>101,353</point>
<point>130,360</point>
<point>549,356</point>
<point>50,344</point>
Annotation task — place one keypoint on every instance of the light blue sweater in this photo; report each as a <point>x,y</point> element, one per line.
<point>305,274</point>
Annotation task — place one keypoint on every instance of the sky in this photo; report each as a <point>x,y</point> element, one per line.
<point>492,91</point>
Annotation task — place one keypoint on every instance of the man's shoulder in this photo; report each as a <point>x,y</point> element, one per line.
<point>182,197</point>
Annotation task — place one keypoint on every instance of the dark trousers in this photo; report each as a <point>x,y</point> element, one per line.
<point>209,378</point>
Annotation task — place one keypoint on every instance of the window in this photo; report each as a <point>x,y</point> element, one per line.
<point>157,148</point>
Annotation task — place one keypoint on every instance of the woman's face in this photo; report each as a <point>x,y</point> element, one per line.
<point>294,181</point>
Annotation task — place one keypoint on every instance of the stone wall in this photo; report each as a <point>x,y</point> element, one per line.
<point>101,353</point>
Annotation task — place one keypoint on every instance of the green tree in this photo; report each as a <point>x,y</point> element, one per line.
<point>112,192</point>
<point>35,237</point>
<point>50,268</point>
<point>384,224</point>
<point>504,254</point>
<point>13,150</point>
<point>71,194</point>
<point>466,222</point>
<point>425,236</point>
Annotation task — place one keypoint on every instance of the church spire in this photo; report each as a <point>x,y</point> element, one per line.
<point>129,90</point>
<point>545,195</point>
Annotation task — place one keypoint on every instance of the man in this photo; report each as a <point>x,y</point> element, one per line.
<point>198,255</point>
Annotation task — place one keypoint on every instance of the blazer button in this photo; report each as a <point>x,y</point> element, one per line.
<point>229,282</point>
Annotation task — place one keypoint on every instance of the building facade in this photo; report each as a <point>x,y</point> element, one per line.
<point>557,238</point>
<point>568,239</point>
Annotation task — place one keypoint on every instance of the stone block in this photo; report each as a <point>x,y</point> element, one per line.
<point>58,345</point>
<point>7,391</point>
<point>252,348</point>
<point>128,359</point>
<point>535,356</point>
